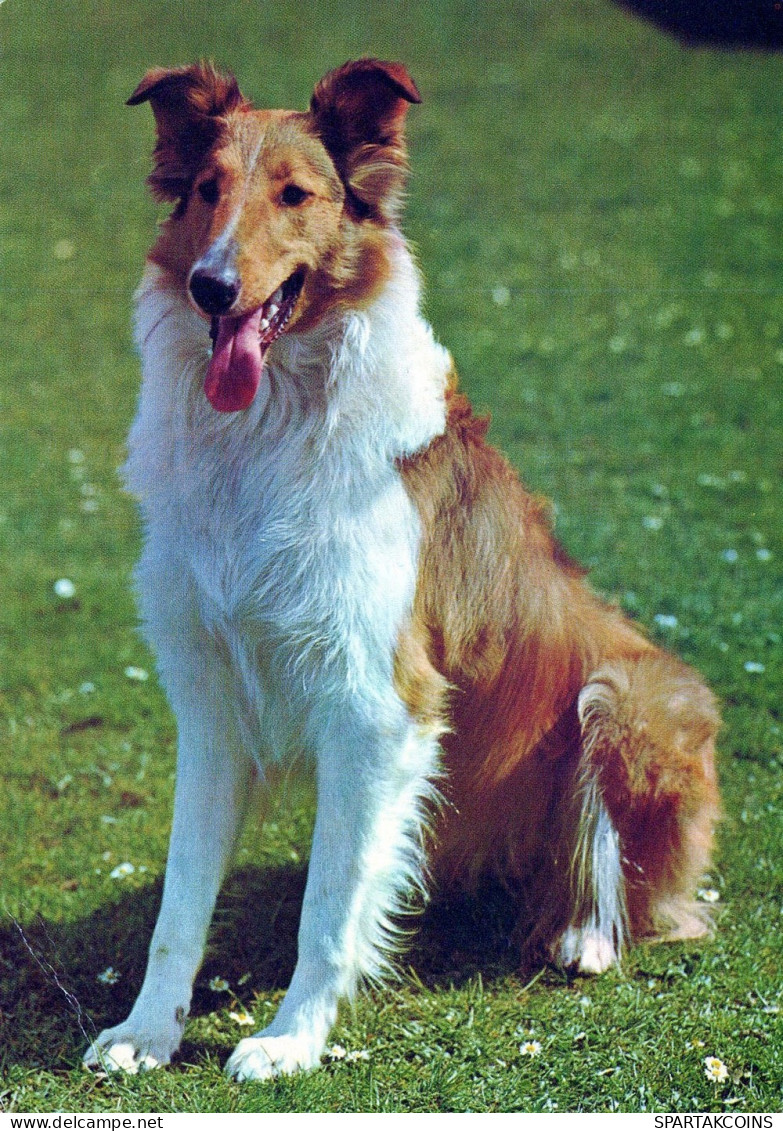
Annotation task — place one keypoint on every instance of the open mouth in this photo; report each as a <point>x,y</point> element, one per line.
<point>239,346</point>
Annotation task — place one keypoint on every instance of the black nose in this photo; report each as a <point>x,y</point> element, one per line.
<point>214,292</point>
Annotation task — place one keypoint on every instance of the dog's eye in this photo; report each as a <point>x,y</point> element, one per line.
<point>292,195</point>
<point>209,191</point>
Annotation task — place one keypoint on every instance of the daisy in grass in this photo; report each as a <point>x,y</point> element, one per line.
<point>219,986</point>
<point>122,870</point>
<point>108,976</point>
<point>715,1070</point>
<point>241,1018</point>
<point>337,1052</point>
<point>139,675</point>
<point>530,1048</point>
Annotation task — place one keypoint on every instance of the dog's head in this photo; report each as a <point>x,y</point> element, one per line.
<point>280,215</point>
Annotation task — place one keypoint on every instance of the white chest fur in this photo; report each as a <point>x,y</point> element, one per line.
<point>285,531</point>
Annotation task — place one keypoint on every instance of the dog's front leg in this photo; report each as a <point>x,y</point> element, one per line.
<point>212,789</point>
<point>366,858</point>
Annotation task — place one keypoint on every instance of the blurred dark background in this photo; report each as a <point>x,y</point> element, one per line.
<point>728,23</point>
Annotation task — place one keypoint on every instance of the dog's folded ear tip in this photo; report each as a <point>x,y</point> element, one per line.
<point>150,83</point>
<point>353,72</point>
<point>215,92</point>
<point>404,82</point>
<point>398,75</point>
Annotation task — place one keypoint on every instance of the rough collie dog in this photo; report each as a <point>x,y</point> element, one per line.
<point>338,568</point>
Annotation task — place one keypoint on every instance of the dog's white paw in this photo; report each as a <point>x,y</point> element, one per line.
<point>127,1048</point>
<point>264,1057</point>
<point>584,949</point>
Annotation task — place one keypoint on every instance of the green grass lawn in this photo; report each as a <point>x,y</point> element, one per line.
<point>599,219</point>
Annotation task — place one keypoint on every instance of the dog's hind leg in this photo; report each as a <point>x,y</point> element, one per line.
<point>366,861</point>
<point>212,789</point>
<point>649,803</point>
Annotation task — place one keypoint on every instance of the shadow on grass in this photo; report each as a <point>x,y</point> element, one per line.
<point>52,1003</point>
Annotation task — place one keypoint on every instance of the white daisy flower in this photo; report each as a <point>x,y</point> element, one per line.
<point>530,1048</point>
<point>715,1069</point>
<point>122,870</point>
<point>137,674</point>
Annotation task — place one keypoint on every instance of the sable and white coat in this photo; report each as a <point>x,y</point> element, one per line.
<point>337,569</point>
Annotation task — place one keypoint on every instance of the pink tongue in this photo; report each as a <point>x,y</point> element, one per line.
<point>234,373</point>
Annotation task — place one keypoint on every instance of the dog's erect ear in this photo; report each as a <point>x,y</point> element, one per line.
<point>189,104</point>
<point>359,113</point>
